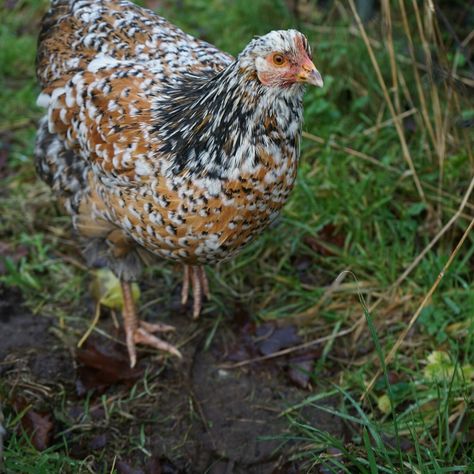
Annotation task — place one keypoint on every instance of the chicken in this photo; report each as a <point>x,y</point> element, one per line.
<point>161,146</point>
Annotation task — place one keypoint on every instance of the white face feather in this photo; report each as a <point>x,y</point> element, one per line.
<point>282,41</point>
<point>277,58</point>
<point>278,40</point>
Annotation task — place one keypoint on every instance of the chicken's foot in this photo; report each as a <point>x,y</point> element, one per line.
<point>196,276</point>
<point>140,332</point>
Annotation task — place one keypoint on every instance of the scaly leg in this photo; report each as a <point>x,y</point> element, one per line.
<point>140,332</point>
<point>196,276</point>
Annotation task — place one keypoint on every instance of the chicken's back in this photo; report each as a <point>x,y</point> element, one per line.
<point>75,32</point>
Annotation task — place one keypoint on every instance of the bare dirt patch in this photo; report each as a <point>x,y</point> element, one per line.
<point>165,416</point>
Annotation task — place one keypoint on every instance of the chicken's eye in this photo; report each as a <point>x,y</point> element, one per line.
<point>278,59</point>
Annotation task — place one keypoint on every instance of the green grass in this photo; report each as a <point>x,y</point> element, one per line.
<point>351,178</point>
<point>21,456</point>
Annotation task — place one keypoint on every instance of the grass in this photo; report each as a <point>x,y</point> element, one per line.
<point>383,186</point>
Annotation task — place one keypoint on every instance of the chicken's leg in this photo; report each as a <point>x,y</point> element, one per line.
<point>140,332</point>
<point>195,275</point>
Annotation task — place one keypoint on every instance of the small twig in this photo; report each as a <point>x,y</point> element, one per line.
<point>288,350</point>
<point>74,262</point>
<point>350,151</point>
<point>11,127</point>
<point>112,469</point>
<point>377,127</point>
<point>468,39</point>
<point>428,295</point>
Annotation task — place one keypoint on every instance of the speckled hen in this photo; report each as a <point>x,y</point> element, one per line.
<point>160,145</point>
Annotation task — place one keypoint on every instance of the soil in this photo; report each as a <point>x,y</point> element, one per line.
<point>200,415</point>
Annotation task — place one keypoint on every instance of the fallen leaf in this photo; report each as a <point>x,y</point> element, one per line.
<point>102,365</point>
<point>459,329</point>
<point>98,442</point>
<point>272,339</point>
<point>329,236</point>
<point>106,289</point>
<point>393,377</point>
<point>299,371</point>
<point>37,425</point>
<point>384,404</point>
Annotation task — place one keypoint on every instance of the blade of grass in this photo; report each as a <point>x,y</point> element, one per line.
<point>370,452</point>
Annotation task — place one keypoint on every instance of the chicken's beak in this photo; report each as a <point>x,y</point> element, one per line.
<point>309,74</point>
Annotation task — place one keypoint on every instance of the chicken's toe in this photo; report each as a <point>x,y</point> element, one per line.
<point>142,336</point>
<point>156,327</point>
<point>140,332</point>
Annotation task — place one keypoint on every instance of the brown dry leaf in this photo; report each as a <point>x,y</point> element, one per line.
<point>98,442</point>
<point>101,365</point>
<point>299,371</point>
<point>272,339</point>
<point>329,235</point>
<point>37,425</point>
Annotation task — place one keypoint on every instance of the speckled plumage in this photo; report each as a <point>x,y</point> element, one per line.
<point>160,145</point>
<point>157,143</point>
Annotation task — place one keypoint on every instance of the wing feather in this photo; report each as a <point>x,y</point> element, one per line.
<point>75,32</point>
<point>100,64</point>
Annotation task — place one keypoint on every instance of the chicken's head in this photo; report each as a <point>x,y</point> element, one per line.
<point>281,59</point>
